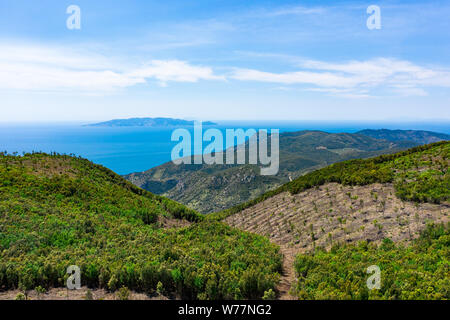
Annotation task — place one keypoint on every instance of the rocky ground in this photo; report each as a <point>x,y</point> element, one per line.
<point>81,294</point>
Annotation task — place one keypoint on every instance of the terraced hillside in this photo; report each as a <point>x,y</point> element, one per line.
<point>57,211</point>
<point>393,196</point>
<point>334,213</point>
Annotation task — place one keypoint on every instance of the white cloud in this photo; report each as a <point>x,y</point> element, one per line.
<point>52,56</point>
<point>343,93</point>
<point>174,70</point>
<point>405,77</point>
<point>410,91</point>
<point>35,77</point>
<point>44,68</point>
<point>325,79</point>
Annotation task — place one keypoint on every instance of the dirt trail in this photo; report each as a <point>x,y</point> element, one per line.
<point>288,276</point>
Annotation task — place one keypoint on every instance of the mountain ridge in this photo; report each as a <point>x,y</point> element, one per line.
<point>209,188</point>
<point>419,136</point>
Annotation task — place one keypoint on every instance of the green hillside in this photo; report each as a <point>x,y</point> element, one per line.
<point>333,223</point>
<point>210,188</point>
<point>419,174</point>
<point>57,211</point>
<point>416,272</point>
<point>419,136</point>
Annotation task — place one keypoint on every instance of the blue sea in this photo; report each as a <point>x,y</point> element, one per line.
<point>134,149</point>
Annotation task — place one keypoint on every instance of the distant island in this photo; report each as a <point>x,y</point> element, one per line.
<point>418,136</point>
<point>148,122</point>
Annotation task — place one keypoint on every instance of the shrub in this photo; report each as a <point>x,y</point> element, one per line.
<point>160,288</point>
<point>419,271</point>
<point>269,295</point>
<point>123,293</point>
<point>39,291</point>
<point>20,296</point>
<point>88,295</point>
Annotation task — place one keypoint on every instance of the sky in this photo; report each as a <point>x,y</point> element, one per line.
<point>224,60</point>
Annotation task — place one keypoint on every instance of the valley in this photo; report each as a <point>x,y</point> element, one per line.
<point>211,188</point>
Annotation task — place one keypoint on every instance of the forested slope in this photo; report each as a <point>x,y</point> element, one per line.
<point>210,188</point>
<point>58,210</point>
